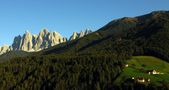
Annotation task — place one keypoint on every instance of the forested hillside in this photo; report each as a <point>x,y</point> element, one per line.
<point>94,61</point>
<point>60,72</point>
<point>147,34</point>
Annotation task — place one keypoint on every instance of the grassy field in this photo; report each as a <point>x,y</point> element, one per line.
<point>139,64</point>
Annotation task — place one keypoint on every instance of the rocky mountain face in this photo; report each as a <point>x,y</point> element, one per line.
<point>79,35</point>
<point>45,39</point>
<point>5,49</point>
<point>30,43</point>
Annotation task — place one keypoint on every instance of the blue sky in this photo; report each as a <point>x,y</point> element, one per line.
<point>67,16</point>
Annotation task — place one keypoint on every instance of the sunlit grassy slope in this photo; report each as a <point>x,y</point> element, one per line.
<point>138,65</point>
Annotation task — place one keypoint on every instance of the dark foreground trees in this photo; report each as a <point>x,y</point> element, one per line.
<point>58,72</point>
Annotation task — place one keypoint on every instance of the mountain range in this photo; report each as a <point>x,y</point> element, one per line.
<point>119,56</point>
<point>45,39</point>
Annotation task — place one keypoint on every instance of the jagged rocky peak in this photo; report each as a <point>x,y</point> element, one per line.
<point>54,38</point>
<point>81,34</point>
<point>88,31</point>
<point>45,39</point>
<point>43,32</point>
<point>17,43</point>
<point>39,40</point>
<point>4,49</point>
<point>26,44</point>
<point>74,36</point>
<point>34,38</point>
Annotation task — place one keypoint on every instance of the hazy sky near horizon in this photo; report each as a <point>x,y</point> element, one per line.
<point>67,16</point>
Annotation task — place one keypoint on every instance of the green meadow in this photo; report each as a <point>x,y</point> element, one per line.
<point>138,65</point>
